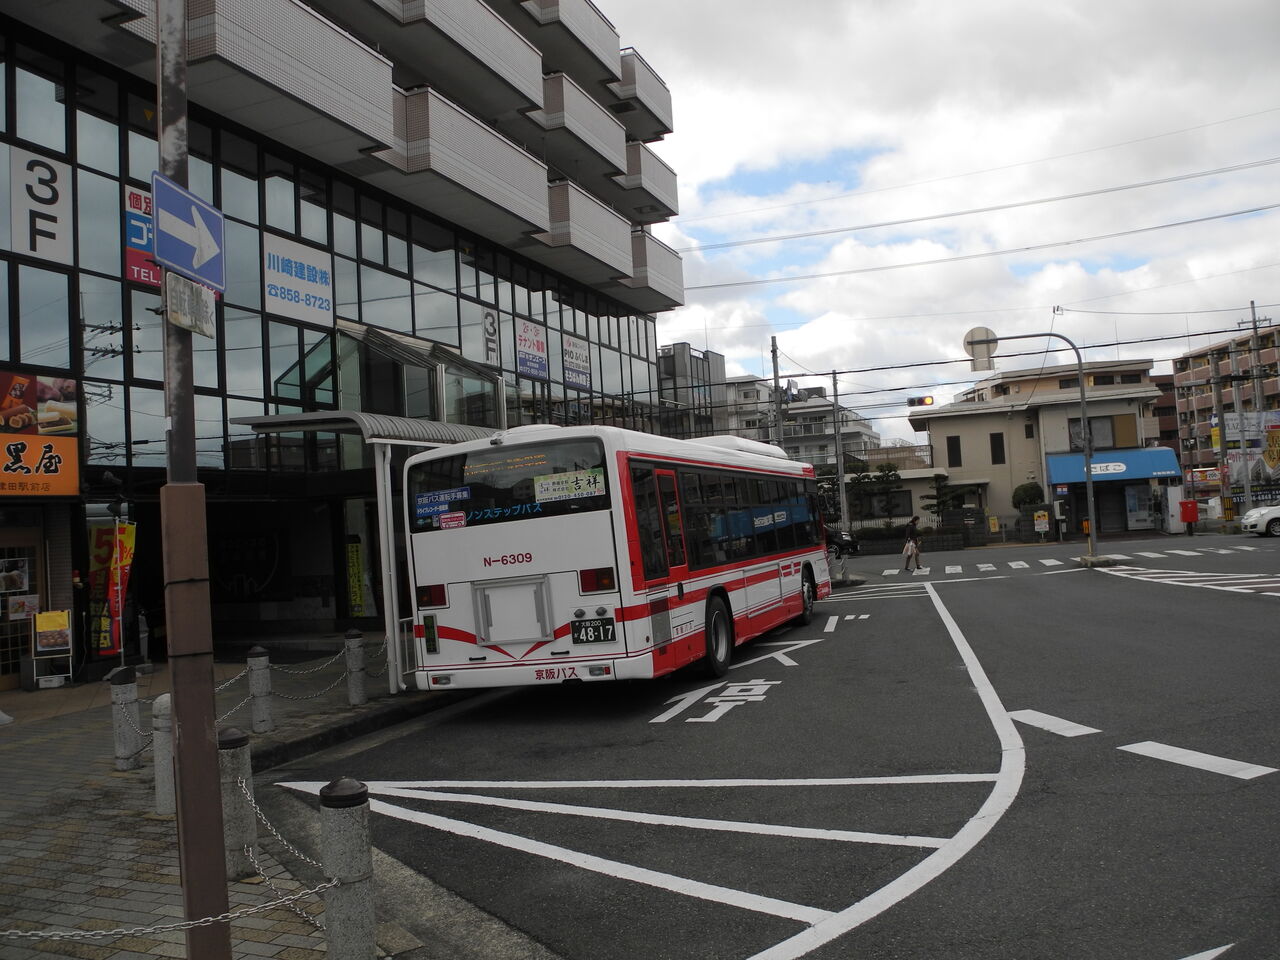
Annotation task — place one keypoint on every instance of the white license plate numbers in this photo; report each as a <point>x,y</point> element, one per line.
<point>597,630</point>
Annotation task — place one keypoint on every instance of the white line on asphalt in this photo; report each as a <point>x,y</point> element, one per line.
<point>986,566</point>
<point>1210,954</point>
<point>1052,563</point>
<point>1203,761</point>
<point>831,624</point>
<point>1064,728</point>
<point>1118,556</point>
<point>1244,548</point>
<point>1185,553</point>
<point>1215,550</point>
<point>1013,761</point>
<point>1019,564</point>
<point>923,571</point>
<point>1050,573</point>
<point>947,583</point>
<point>610,868</point>
<point>891,573</point>
<point>375,786</point>
<point>695,823</point>
<point>953,568</point>
<point>1154,556</point>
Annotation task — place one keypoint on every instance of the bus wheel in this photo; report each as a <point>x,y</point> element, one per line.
<point>719,635</point>
<point>808,595</point>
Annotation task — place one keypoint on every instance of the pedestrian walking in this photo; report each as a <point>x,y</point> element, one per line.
<point>911,548</point>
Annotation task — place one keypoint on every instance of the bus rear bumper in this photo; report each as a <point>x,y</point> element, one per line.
<point>639,667</point>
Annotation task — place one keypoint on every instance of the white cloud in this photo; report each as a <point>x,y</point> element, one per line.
<point>913,108</point>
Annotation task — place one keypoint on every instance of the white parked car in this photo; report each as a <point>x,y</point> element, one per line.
<point>1264,521</point>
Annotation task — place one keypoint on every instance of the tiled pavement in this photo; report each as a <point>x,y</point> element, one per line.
<point>81,849</point>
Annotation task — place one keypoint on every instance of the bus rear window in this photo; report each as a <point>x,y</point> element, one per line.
<point>501,484</point>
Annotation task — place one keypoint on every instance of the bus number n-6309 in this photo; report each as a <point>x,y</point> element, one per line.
<point>507,559</point>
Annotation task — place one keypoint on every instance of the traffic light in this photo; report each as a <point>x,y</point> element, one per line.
<point>919,401</point>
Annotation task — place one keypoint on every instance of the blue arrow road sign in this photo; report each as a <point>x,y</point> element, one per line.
<point>188,233</point>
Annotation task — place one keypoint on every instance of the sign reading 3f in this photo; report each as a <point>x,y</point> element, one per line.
<point>188,233</point>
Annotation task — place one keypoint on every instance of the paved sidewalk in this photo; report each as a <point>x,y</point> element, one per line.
<point>81,850</point>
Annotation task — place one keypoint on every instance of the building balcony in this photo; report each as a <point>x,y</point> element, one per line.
<point>644,102</point>
<point>586,240</point>
<point>460,47</point>
<point>580,138</point>
<point>657,281</point>
<point>574,37</point>
<point>449,162</point>
<point>94,27</point>
<point>282,69</point>
<point>647,192</point>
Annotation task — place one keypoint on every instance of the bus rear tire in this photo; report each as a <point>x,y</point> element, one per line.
<point>808,596</point>
<point>719,638</point>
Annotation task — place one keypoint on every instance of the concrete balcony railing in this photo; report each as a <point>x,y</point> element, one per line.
<point>647,193</point>
<point>574,37</point>
<point>462,47</point>
<point>657,282</point>
<point>279,67</point>
<point>586,240</point>
<point>583,140</point>
<point>449,162</point>
<point>644,102</point>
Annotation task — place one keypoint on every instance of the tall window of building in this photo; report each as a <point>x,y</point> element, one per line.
<point>997,448</point>
<point>953,452</point>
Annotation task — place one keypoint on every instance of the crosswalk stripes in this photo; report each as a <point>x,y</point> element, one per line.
<point>1237,580</point>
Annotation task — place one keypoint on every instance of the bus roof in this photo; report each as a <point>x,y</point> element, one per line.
<point>723,450</point>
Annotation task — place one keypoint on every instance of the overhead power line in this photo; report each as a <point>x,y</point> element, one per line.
<point>973,173</point>
<point>987,254</point>
<point>995,208</point>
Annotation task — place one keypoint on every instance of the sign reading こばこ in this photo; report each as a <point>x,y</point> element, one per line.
<point>297,280</point>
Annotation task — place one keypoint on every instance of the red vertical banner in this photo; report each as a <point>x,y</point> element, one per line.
<point>118,586</point>
<point>101,550</point>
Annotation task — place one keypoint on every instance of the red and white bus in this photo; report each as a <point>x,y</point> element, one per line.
<point>546,554</point>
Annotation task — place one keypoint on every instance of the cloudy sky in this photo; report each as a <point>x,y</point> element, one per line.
<point>925,145</point>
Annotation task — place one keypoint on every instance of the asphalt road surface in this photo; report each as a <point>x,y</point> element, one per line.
<point>1005,755</point>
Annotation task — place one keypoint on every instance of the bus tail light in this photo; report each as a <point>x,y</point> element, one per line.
<point>598,580</point>
<point>600,670</point>
<point>431,595</point>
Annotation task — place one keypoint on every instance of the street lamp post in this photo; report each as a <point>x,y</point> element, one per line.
<point>1086,435</point>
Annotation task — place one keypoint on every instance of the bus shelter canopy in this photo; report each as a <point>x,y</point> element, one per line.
<point>372,427</point>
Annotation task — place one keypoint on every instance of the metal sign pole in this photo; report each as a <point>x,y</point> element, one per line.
<point>186,560</point>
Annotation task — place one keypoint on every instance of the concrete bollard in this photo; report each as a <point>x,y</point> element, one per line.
<point>162,752</point>
<point>239,821</point>
<point>355,668</point>
<point>124,718</point>
<point>348,857</point>
<point>260,690</point>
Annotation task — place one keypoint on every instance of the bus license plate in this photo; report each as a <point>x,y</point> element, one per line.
<point>597,630</point>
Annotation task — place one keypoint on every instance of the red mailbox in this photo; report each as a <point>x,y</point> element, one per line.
<point>1190,511</point>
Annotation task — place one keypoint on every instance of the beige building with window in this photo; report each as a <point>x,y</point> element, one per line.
<point>1022,426</point>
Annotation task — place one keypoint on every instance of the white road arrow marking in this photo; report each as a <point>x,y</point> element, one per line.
<point>780,655</point>
<point>195,234</point>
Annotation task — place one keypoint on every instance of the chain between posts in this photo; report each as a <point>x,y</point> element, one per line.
<point>165,927</point>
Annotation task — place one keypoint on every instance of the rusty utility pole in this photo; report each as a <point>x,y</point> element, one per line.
<point>186,560</point>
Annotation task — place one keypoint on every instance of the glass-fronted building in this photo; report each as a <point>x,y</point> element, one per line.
<point>453,226</point>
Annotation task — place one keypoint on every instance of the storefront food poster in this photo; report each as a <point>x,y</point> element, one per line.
<point>14,576</point>
<point>52,635</point>
<point>22,606</point>
<point>39,420</point>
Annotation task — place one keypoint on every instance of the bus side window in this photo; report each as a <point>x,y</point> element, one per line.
<point>653,553</point>
<point>671,519</point>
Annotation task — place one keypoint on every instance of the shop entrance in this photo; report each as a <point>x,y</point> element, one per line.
<point>21,595</point>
